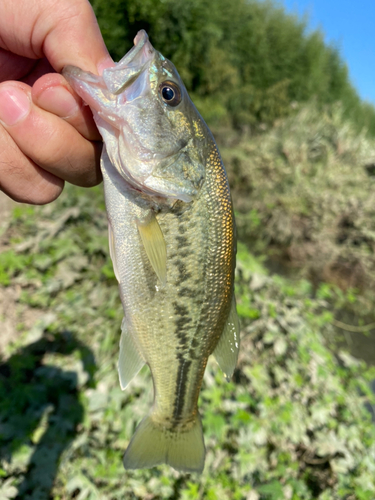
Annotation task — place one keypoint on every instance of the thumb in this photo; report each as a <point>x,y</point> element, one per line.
<point>65,32</point>
<point>74,37</point>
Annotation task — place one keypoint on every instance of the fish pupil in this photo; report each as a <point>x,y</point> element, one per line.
<point>170,93</point>
<point>167,93</point>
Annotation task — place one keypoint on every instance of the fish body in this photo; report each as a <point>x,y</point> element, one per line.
<point>172,243</point>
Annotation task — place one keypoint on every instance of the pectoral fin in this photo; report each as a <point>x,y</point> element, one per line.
<point>226,351</point>
<point>130,359</point>
<point>154,244</point>
<point>112,251</point>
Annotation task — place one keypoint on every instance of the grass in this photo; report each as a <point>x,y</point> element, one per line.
<point>292,424</point>
<point>305,196</point>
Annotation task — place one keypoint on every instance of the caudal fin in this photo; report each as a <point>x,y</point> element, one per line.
<point>153,445</point>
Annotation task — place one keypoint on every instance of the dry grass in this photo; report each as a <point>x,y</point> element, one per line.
<point>305,192</point>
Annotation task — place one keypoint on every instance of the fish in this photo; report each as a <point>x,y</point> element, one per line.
<point>172,241</point>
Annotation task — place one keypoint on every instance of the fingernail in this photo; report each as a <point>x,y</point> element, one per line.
<point>58,100</point>
<point>105,63</point>
<point>14,105</point>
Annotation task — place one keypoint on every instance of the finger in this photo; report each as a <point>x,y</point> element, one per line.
<point>41,67</point>
<point>65,32</point>
<point>74,28</point>
<point>46,139</point>
<point>21,179</point>
<point>13,66</point>
<point>53,94</point>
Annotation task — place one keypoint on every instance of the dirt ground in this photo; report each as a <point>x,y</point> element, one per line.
<point>6,207</point>
<point>14,317</point>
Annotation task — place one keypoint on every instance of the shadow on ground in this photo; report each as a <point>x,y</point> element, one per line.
<point>40,411</point>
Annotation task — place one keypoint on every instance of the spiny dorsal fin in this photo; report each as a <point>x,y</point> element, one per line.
<point>154,244</point>
<point>130,359</point>
<point>226,351</point>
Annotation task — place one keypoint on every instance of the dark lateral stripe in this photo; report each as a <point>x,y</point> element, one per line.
<point>182,378</point>
<point>182,323</point>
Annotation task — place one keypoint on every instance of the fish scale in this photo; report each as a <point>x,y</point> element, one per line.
<point>172,242</point>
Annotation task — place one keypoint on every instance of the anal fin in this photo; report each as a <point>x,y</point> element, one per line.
<point>130,359</point>
<point>226,351</point>
<point>154,244</point>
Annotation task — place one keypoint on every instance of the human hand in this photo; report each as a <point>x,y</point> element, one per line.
<point>47,135</point>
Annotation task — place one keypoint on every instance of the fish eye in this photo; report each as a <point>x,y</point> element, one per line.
<point>170,93</point>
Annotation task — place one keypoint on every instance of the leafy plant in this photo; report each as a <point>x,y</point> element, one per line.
<point>291,424</point>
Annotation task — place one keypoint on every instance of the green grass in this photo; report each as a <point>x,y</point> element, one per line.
<point>290,425</point>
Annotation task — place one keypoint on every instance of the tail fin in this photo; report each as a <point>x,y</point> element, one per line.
<point>152,445</point>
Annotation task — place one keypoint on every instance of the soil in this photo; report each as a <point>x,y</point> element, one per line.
<point>6,207</point>
<point>15,318</point>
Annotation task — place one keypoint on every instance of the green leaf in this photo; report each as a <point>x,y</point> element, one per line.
<point>272,491</point>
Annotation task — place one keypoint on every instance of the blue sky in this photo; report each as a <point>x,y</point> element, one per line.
<point>350,25</point>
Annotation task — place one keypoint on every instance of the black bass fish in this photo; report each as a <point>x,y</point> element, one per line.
<point>172,243</point>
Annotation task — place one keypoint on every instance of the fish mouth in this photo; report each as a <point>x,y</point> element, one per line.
<point>127,70</point>
<point>114,80</point>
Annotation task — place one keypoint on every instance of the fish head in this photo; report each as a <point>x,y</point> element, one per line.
<point>154,136</point>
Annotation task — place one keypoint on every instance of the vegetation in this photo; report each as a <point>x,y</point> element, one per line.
<point>246,62</point>
<point>291,425</point>
<point>294,423</point>
<point>304,194</point>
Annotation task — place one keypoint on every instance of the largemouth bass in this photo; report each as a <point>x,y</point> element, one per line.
<point>172,243</point>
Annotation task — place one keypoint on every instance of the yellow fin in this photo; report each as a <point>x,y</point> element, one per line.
<point>226,351</point>
<point>112,251</point>
<point>154,244</point>
<point>130,360</point>
<point>153,445</point>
